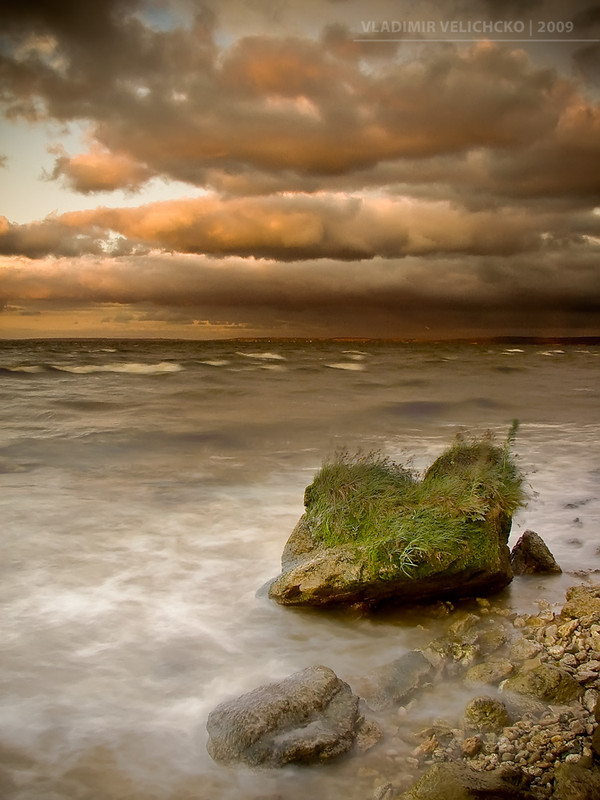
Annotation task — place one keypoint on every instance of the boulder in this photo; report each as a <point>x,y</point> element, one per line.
<point>311,716</point>
<point>371,537</point>
<point>456,781</point>
<point>531,556</point>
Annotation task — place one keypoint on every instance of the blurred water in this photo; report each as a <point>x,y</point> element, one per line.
<point>147,490</point>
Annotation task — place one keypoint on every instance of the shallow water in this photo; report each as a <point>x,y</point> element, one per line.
<point>147,490</point>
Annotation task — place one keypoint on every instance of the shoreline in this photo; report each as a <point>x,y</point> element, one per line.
<point>540,734</point>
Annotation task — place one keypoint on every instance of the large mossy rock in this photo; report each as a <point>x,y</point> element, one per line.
<point>311,716</point>
<point>373,532</point>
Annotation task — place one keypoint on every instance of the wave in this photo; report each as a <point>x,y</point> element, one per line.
<point>29,370</point>
<point>353,366</point>
<point>264,356</point>
<point>216,362</point>
<point>130,368</point>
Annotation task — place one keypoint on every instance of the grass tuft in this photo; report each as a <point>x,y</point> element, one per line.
<point>404,519</point>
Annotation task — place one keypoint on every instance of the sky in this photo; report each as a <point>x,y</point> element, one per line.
<point>330,168</point>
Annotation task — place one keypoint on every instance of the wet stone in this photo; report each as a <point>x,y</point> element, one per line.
<point>486,715</point>
<point>311,716</point>
<point>490,672</point>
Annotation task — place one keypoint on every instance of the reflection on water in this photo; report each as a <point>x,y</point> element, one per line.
<point>147,489</point>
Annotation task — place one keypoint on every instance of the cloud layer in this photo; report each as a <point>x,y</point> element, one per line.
<point>307,146</point>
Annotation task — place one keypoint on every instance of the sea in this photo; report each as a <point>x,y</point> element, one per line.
<point>147,489</point>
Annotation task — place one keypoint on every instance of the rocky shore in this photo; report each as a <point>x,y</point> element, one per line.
<point>542,718</point>
<point>523,691</point>
<point>528,727</point>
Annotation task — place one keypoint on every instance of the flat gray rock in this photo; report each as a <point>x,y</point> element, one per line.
<point>311,716</point>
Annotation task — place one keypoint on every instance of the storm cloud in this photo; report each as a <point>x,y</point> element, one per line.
<point>304,145</point>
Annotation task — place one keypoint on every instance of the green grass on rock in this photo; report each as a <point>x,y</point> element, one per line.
<point>404,519</point>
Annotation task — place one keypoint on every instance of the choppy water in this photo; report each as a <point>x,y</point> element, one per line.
<point>147,490</point>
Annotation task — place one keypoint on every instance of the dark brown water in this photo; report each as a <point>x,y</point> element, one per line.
<point>147,490</point>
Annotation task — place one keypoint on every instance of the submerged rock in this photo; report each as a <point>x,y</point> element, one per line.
<point>394,683</point>
<point>353,548</point>
<point>531,556</point>
<point>461,782</point>
<point>311,716</point>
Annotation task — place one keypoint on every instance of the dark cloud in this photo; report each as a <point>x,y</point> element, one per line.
<point>171,103</point>
<point>75,21</point>
<point>348,185</point>
<point>442,294</point>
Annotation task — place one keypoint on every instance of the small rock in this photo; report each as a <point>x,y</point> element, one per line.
<point>463,626</point>
<point>489,672</point>
<point>569,660</point>
<point>486,714</point>
<point>384,792</point>
<point>556,651</point>
<point>583,603</point>
<point>531,556</point>
<point>523,649</point>
<point>369,733</point>
<point>583,674</point>
<point>394,683</point>
<point>491,640</point>
<point>472,746</point>
<point>427,747</point>
<point>568,628</point>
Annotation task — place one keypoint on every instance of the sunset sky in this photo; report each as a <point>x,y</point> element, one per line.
<point>173,168</point>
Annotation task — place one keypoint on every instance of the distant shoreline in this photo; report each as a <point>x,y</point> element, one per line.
<point>472,340</point>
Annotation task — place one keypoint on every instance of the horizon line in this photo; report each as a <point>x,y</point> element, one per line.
<point>501,338</point>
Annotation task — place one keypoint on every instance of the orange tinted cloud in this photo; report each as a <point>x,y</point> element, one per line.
<point>286,228</point>
<point>99,170</point>
<point>355,179</point>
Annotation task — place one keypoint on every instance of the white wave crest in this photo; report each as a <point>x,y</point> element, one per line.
<point>353,366</point>
<point>131,368</point>
<point>264,356</point>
